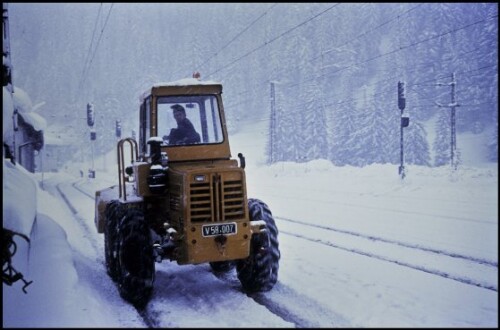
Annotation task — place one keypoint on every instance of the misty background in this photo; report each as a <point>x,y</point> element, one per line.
<point>334,68</point>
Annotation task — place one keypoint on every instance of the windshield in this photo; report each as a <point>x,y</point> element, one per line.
<point>188,120</point>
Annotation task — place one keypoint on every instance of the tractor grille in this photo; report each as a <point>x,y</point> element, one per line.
<point>219,198</point>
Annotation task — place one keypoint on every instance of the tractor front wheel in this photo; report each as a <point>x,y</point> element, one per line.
<point>259,272</point>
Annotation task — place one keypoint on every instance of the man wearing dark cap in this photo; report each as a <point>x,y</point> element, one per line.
<point>185,132</point>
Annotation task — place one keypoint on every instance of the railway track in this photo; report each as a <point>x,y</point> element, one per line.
<point>439,262</point>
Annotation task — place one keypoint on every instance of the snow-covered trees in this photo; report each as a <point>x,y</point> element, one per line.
<point>337,66</point>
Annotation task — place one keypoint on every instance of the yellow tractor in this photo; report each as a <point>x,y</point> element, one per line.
<point>182,197</point>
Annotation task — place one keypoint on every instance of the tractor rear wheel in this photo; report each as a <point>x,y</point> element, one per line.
<point>259,272</point>
<point>136,271</point>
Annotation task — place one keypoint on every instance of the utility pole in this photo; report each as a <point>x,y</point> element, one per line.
<point>273,124</point>
<point>452,105</point>
<point>405,121</point>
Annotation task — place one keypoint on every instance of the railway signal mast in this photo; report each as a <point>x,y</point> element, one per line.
<point>453,138</point>
<point>405,121</point>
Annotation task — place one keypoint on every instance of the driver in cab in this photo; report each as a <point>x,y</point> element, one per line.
<point>185,132</point>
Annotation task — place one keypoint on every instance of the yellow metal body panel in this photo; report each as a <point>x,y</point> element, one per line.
<point>198,249</point>
<point>209,194</point>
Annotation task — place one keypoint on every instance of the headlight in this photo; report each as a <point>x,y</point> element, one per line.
<point>199,178</point>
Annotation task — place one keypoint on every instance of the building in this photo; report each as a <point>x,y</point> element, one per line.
<point>57,151</point>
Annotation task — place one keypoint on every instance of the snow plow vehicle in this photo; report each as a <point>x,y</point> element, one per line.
<point>182,197</point>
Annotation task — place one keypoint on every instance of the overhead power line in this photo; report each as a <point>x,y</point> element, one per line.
<point>274,39</point>
<point>96,47</point>
<point>239,34</point>
<point>397,50</point>
<point>87,58</point>
<point>231,41</point>
<point>368,31</point>
<point>361,34</point>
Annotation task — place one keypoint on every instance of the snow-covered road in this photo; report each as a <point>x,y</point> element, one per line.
<point>382,257</point>
<point>359,248</point>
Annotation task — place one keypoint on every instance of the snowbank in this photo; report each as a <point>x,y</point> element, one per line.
<point>56,297</point>
<point>19,199</point>
<point>8,109</point>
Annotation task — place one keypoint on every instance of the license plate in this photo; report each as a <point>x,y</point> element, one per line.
<point>219,229</point>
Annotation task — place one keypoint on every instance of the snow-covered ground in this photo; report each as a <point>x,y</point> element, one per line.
<point>360,248</point>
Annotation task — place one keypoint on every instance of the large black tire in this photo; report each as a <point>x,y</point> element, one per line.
<point>259,272</point>
<point>222,266</point>
<point>136,271</point>
<point>114,214</point>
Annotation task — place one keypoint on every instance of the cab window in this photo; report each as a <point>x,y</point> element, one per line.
<point>189,120</point>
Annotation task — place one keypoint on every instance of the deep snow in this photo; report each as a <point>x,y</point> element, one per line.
<point>365,264</point>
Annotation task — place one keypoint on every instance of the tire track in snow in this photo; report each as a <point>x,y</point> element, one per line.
<point>395,242</point>
<point>148,318</point>
<point>85,227</point>
<point>284,302</point>
<point>281,311</point>
<point>66,200</point>
<point>82,191</point>
<point>437,272</point>
<point>385,209</point>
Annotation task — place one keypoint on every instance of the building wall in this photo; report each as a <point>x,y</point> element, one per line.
<point>27,142</point>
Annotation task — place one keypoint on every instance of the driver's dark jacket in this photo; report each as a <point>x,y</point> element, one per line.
<point>184,133</point>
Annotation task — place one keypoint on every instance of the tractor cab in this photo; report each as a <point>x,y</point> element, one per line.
<point>200,104</point>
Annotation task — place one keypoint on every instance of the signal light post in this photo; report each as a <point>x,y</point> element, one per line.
<point>118,129</point>
<point>90,123</point>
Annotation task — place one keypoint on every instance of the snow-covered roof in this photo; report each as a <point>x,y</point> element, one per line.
<point>22,101</point>
<point>180,82</point>
<point>38,122</point>
<point>186,82</point>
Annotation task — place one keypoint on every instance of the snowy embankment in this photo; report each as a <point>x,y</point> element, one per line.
<point>57,296</point>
